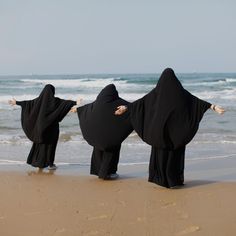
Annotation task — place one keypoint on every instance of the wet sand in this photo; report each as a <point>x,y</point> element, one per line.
<point>48,203</point>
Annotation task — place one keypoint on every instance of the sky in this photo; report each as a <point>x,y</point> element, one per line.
<point>116,36</point>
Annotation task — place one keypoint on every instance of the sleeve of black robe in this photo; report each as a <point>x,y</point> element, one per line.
<point>63,108</point>
<point>21,103</point>
<point>199,106</point>
<point>197,109</point>
<point>27,104</point>
<point>136,112</point>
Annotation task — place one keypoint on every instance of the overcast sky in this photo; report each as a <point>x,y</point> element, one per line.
<point>117,36</point>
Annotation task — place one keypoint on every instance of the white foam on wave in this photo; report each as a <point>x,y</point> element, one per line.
<point>23,140</point>
<point>11,162</point>
<point>226,81</point>
<point>228,94</point>
<point>218,137</point>
<point>225,94</point>
<point>72,83</point>
<point>10,139</point>
<point>212,157</point>
<point>17,87</point>
<point>133,163</point>
<point>206,83</point>
<point>73,164</point>
<point>132,140</point>
<point>88,83</point>
<point>231,80</point>
<point>214,142</point>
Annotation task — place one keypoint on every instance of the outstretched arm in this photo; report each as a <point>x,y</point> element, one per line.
<point>121,110</point>
<point>78,102</point>
<point>217,109</point>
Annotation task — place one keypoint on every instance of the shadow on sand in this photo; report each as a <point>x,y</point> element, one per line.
<point>196,183</point>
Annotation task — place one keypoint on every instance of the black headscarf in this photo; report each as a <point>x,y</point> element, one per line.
<point>168,116</point>
<point>99,126</point>
<point>40,114</point>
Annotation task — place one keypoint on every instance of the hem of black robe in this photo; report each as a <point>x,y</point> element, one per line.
<point>42,155</point>
<point>102,176</point>
<point>166,167</point>
<point>38,166</point>
<point>176,183</point>
<point>104,163</point>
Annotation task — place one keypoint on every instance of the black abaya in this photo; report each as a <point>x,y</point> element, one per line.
<point>167,118</point>
<point>40,121</point>
<point>104,131</point>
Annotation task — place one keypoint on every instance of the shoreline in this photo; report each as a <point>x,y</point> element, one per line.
<point>125,172</point>
<point>220,170</point>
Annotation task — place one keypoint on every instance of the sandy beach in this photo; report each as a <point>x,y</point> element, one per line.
<point>48,203</point>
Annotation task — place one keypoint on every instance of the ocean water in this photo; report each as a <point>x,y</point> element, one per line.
<point>216,138</point>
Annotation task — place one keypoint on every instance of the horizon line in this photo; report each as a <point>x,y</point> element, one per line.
<point>120,73</point>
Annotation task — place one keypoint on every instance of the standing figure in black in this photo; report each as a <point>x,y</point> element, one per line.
<point>167,118</point>
<point>40,119</point>
<point>104,131</point>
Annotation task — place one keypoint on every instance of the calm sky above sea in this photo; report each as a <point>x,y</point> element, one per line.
<point>123,36</point>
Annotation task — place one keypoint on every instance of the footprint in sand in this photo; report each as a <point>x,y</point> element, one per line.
<point>183,215</point>
<point>102,204</point>
<point>123,203</point>
<point>190,229</point>
<point>141,219</point>
<point>93,232</point>
<point>62,230</point>
<point>98,217</point>
<point>168,204</point>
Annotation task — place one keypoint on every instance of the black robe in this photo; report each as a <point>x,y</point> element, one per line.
<point>104,131</point>
<point>167,118</point>
<point>40,119</point>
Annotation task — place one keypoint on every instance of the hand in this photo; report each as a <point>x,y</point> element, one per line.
<point>121,110</point>
<point>218,109</point>
<point>12,102</point>
<point>79,101</point>
<point>73,109</point>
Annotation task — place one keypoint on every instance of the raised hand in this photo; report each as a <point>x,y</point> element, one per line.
<point>12,102</point>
